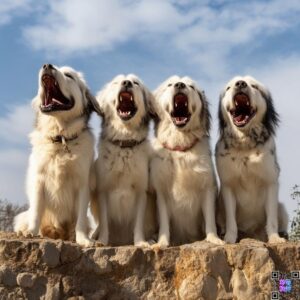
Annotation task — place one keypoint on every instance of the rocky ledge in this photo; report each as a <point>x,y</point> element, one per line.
<point>48,269</point>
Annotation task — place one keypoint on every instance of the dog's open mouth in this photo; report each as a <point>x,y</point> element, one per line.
<point>54,100</point>
<point>243,112</point>
<point>180,114</point>
<point>126,106</point>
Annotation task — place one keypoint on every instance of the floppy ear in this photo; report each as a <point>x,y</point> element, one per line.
<point>222,123</point>
<point>271,117</point>
<point>92,103</point>
<point>205,117</point>
<point>150,104</point>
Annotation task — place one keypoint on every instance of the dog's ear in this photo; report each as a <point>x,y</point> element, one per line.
<point>205,117</point>
<point>150,103</point>
<point>222,123</point>
<point>93,104</point>
<point>271,117</point>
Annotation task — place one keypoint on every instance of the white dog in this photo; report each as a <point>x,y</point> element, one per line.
<point>61,158</point>
<point>122,165</point>
<point>181,171</point>
<point>247,164</point>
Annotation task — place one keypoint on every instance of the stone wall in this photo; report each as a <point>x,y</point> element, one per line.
<point>47,269</point>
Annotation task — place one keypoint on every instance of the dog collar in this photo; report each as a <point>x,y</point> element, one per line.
<point>62,139</point>
<point>126,143</point>
<point>181,148</point>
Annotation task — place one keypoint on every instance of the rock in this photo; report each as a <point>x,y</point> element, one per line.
<point>7,276</point>
<point>26,280</point>
<point>50,254</point>
<point>48,269</point>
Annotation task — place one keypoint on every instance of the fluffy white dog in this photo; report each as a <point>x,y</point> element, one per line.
<point>61,159</point>
<point>247,164</point>
<point>122,165</point>
<point>182,172</point>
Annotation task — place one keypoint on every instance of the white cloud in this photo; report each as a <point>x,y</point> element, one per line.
<point>15,127</point>
<point>11,8</point>
<point>16,124</point>
<point>198,28</point>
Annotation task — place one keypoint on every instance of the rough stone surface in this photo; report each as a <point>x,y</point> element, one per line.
<point>48,269</point>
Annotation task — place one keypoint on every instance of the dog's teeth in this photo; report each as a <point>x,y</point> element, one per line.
<point>131,98</point>
<point>176,104</point>
<point>121,99</point>
<point>248,103</point>
<point>185,104</point>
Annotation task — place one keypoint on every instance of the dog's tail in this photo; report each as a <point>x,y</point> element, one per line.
<point>20,222</point>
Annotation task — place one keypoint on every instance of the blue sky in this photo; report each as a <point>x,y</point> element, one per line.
<point>211,41</point>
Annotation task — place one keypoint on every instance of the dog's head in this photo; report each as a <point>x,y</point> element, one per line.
<point>245,102</point>
<point>125,99</point>
<point>63,93</point>
<point>180,101</point>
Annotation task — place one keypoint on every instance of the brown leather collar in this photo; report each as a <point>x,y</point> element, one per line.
<point>181,148</point>
<point>61,138</point>
<point>126,143</point>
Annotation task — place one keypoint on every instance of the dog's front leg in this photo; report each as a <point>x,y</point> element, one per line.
<point>36,206</point>
<point>101,233</point>
<point>272,215</point>
<point>163,216</point>
<point>139,237</point>
<point>230,210</point>
<point>82,221</point>
<point>208,209</point>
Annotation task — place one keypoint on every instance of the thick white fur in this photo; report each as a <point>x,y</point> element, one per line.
<point>57,180</point>
<point>184,182</point>
<point>248,170</point>
<point>122,173</point>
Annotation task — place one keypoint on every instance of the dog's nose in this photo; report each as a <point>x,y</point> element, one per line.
<point>48,66</point>
<point>241,84</point>
<point>180,85</point>
<point>127,83</point>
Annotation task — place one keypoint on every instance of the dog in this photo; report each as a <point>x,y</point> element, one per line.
<point>121,207</point>
<point>61,159</point>
<point>181,170</point>
<point>247,163</point>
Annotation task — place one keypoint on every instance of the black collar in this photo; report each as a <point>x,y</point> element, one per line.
<point>127,143</point>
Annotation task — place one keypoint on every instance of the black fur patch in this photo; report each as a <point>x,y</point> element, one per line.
<point>205,114</point>
<point>271,118</point>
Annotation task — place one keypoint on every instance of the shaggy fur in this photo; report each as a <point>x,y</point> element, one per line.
<point>247,163</point>
<point>61,158</point>
<point>181,170</point>
<point>122,165</point>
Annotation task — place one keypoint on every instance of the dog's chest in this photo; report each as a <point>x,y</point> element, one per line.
<point>123,168</point>
<point>256,164</point>
<point>61,170</point>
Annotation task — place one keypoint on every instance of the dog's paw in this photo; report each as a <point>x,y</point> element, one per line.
<point>85,242</point>
<point>143,244</point>
<point>276,239</point>
<point>212,238</point>
<point>28,233</point>
<point>230,237</point>
<point>162,243</point>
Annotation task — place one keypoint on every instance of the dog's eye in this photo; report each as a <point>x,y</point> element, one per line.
<point>254,86</point>
<point>227,88</point>
<point>135,82</point>
<point>69,75</point>
<point>170,84</point>
<point>192,87</point>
